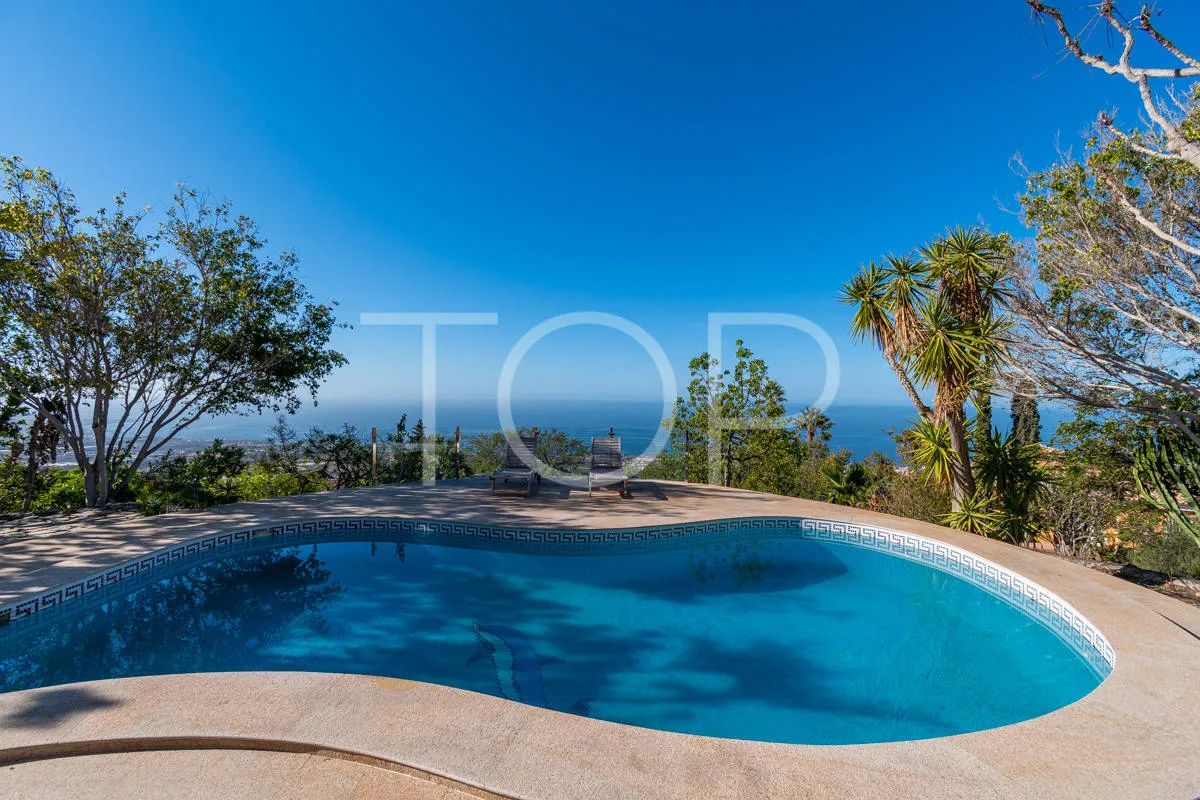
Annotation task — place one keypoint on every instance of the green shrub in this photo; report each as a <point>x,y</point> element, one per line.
<point>260,482</point>
<point>1172,551</point>
<point>64,492</point>
<point>208,478</point>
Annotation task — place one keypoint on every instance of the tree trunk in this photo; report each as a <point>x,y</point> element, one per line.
<point>95,483</point>
<point>962,481</point>
<point>31,466</point>
<point>89,486</point>
<point>922,409</point>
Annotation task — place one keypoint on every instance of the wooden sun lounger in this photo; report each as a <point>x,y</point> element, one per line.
<point>608,464</point>
<point>515,469</point>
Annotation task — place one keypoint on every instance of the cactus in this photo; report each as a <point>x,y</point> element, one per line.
<point>1166,469</point>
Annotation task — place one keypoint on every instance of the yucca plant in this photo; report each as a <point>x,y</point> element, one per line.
<point>937,318</point>
<point>1009,481</point>
<point>975,514</point>
<point>1166,469</point>
<point>931,452</point>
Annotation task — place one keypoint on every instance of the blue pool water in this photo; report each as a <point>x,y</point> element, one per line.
<point>774,639</point>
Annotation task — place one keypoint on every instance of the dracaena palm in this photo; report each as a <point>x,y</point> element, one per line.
<point>975,514</point>
<point>932,454</point>
<point>907,286</point>
<point>938,319</point>
<point>868,293</point>
<point>873,296</point>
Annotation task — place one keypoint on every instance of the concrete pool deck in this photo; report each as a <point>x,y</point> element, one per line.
<point>1136,735</point>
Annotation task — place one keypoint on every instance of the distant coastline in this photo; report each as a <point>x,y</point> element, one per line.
<point>858,428</point>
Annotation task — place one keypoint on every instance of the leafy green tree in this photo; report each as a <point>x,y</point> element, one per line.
<point>63,491</point>
<point>141,332</point>
<point>216,468</point>
<point>744,396</point>
<point>1107,294</point>
<point>341,458</point>
<point>284,457</point>
<point>260,482</point>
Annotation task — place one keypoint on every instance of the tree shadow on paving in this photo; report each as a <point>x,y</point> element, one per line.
<point>47,708</point>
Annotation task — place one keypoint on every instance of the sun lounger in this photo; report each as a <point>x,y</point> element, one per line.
<point>515,469</point>
<point>608,464</point>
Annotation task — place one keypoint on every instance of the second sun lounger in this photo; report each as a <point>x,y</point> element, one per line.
<point>608,464</point>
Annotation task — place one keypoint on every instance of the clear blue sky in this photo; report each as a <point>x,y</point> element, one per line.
<point>653,160</point>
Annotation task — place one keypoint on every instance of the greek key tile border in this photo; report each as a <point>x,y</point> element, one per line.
<point>1038,602</point>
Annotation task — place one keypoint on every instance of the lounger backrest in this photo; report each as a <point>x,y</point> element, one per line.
<point>512,459</point>
<point>606,453</point>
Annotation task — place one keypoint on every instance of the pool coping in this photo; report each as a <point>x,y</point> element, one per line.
<point>1135,735</point>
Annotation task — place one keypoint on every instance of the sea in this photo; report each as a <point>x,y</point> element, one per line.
<point>859,429</point>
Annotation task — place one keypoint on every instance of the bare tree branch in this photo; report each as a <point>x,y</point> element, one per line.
<point>1176,142</point>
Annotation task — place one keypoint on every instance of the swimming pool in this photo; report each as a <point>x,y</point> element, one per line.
<point>764,633</point>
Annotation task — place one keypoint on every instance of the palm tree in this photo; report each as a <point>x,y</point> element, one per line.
<point>937,318</point>
<point>816,424</point>
<point>849,484</point>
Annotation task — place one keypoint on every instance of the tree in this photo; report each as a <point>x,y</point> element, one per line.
<point>938,318</point>
<point>285,456</point>
<point>816,426</point>
<point>556,449</point>
<point>849,484</point>
<point>1108,293</point>
<point>341,457</point>
<point>1178,142</point>
<point>1026,422</point>
<point>749,399</point>
<point>140,333</point>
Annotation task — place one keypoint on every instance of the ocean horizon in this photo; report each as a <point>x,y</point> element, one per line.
<point>859,428</point>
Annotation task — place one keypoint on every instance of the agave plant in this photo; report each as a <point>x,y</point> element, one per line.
<point>1166,469</point>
